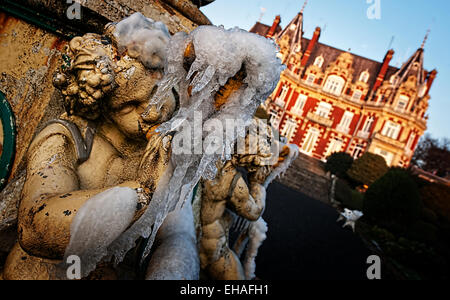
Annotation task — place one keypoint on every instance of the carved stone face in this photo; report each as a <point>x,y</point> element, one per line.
<point>135,86</point>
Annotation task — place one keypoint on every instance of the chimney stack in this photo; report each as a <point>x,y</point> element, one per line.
<point>431,77</point>
<point>275,24</point>
<point>383,70</point>
<point>311,45</point>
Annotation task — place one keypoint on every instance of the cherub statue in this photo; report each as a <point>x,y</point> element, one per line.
<point>238,194</point>
<point>99,145</point>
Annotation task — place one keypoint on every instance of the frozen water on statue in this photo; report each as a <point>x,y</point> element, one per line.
<point>219,55</point>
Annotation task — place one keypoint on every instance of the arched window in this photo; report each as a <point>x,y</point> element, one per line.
<point>318,61</point>
<point>334,85</point>
<point>364,77</point>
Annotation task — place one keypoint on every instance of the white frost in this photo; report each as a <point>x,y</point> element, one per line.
<point>257,234</point>
<point>143,39</point>
<point>101,220</point>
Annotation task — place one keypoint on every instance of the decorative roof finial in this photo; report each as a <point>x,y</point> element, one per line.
<point>425,39</point>
<point>304,5</point>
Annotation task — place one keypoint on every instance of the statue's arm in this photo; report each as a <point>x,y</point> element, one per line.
<point>248,201</point>
<point>51,195</point>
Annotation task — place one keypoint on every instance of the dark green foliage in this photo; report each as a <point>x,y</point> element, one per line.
<point>393,201</point>
<point>422,232</point>
<point>437,198</point>
<point>349,198</point>
<point>368,168</point>
<point>339,163</point>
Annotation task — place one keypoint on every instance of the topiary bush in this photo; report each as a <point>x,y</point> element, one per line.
<point>393,201</point>
<point>338,164</point>
<point>368,168</point>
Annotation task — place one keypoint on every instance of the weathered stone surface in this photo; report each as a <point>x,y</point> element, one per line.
<point>28,58</point>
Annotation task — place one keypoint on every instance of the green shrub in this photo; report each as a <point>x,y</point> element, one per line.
<point>422,232</point>
<point>437,198</point>
<point>342,191</point>
<point>349,198</point>
<point>367,169</point>
<point>393,201</point>
<point>339,163</point>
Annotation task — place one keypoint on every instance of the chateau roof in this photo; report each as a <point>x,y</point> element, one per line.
<point>263,29</point>
<point>360,63</point>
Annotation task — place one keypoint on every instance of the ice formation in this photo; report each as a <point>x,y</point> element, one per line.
<point>351,216</point>
<point>219,55</point>
<point>143,39</point>
<point>176,257</point>
<point>257,235</point>
<point>100,221</point>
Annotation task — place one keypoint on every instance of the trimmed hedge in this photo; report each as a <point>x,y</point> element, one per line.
<point>393,201</point>
<point>338,164</point>
<point>368,168</point>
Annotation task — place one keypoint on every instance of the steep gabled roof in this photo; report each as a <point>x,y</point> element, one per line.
<point>294,31</point>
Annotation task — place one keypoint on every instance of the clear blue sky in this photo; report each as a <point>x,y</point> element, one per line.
<point>345,25</point>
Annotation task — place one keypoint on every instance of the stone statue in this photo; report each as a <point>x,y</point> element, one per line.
<point>96,176</point>
<point>99,144</point>
<point>238,194</point>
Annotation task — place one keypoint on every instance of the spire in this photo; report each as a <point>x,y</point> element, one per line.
<point>425,39</point>
<point>294,32</point>
<point>414,66</point>
<point>304,6</point>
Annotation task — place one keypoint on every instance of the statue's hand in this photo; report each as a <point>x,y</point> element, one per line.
<point>260,175</point>
<point>154,161</point>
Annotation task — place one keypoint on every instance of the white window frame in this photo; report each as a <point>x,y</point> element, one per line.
<point>334,85</point>
<point>310,79</point>
<point>368,124</point>
<point>357,94</point>
<point>299,104</point>
<point>323,109</point>
<point>334,146</point>
<point>346,121</point>
<point>391,130</point>
<point>284,91</point>
<point>289,129</point>
<point>402,99</point>
<point>364,77</point>
<point>319,61</point>
<point>310,140</point>
<point>359,148</point>
<point>412,137</point>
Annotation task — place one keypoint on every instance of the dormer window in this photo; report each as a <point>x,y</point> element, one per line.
<point>318,61</point>
<point>334,85</point>
<point>364,77</point>
<point>402,103</point>
<point>310,79</point>
<point>357,94</point>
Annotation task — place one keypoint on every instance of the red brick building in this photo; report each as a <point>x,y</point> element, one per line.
<point>329,100</point>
